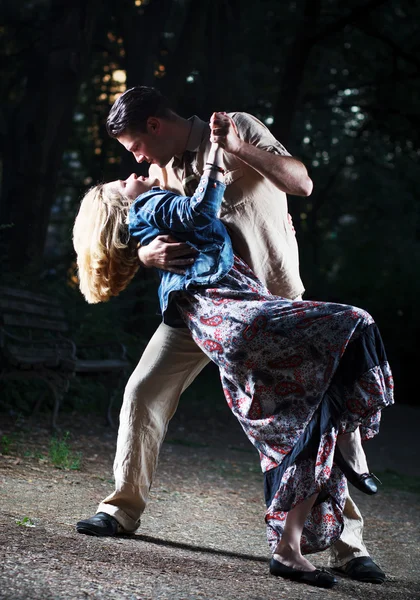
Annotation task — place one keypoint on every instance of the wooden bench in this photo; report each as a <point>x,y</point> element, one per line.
<point>33,344</point>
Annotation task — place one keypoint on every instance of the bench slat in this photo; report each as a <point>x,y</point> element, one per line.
<point>99,366</point>
<point>22,306</point>
<point>34,362</point>
<point>33,322</point>
<point>42,353</point>
<point>31,296</point>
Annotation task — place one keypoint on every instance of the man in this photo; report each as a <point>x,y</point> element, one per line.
<point>259,174</point>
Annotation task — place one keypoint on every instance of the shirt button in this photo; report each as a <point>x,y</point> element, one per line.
<point>201,189</point>
<point>215,185</point>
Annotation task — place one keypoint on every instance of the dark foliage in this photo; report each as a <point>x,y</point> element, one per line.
<point>338,83</point>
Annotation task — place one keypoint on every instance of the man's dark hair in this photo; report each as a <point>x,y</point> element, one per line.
<point>130,111</point>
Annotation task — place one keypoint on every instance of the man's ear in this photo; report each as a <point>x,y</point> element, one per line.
<point>153,125</point>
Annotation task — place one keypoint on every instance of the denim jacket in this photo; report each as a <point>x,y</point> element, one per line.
<point>191,220</point>
<point>253,209</point>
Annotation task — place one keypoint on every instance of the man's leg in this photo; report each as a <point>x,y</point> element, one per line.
<point>349,555</point>
<point>350,545</point>
<point>168,365</point>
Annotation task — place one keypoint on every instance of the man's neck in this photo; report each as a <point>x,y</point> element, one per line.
<point>180,130</point>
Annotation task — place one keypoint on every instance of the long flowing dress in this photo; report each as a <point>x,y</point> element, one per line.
<point>296,374</point>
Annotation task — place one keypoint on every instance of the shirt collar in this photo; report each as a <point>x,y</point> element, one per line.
<point>198,132</point>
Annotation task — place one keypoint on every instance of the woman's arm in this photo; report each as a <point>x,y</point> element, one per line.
<point>165,252</point>
<point>215,164</point>
<point>175,213</point>
<point>167,212</point>
<point>209,195</point>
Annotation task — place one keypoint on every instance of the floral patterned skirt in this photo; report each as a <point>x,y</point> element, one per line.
<point>296,374</point>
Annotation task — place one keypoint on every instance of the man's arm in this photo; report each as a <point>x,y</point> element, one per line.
<point>166,253</point>
<point>285,172</point>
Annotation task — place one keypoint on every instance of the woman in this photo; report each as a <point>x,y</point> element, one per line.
<point>299,376</point>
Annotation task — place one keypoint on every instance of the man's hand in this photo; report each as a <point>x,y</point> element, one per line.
<point>287,173</point>
<point>224,132</point>
<point>165,252</point>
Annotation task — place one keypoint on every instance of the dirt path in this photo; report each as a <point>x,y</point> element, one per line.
<point>202,536</point>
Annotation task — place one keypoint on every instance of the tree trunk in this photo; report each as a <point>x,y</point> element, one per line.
<point>141,30</point>
<point>38,127</point>
<point>305,39</point>
<point>186,54</point>
<point>292,77</point>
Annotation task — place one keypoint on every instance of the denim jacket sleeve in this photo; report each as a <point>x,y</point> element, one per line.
<point>179,213</point>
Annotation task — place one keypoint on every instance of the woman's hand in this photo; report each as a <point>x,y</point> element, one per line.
<point>166,253</point>
<point>224,132</point>
<point>290,221</point>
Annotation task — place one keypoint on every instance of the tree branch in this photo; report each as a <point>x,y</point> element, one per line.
<point>356,14</point>
<point>370,30</point>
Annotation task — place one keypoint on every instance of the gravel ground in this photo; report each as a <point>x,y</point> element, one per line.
<point>202,536</point>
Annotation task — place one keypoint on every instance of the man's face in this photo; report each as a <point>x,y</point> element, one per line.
<point>150,146</point>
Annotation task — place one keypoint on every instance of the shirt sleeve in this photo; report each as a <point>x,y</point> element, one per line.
<point>253,131</point>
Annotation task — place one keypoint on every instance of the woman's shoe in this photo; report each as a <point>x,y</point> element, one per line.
<point>318,578</point>
<point>364,482</point>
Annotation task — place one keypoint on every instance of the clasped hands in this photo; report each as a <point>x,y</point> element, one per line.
<point>165,252</point>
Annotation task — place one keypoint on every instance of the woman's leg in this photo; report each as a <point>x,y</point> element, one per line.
<point>288,549</point>
<point>296,375</point>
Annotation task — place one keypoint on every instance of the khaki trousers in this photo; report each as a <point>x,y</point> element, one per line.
<point>169,364</point>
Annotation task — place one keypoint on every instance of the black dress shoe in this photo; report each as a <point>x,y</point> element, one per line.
<point>364,482</point>
<point>100,525</point>
<point>318,578</point>
<point>363,569</point>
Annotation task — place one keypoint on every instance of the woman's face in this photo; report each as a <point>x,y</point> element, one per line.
<point>133,186</point>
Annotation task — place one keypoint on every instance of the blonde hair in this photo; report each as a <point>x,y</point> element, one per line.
<point>106,259</point>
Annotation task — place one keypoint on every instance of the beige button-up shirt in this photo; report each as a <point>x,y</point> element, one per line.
<point>254,210</point>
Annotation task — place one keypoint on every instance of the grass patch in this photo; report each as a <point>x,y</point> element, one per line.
<point>36,454</point>
<point>5,444</point>
<point>396,481</point>
<point>240,449</point>
<point>233,470</point>
<point>25,522</point>
<point>187,443</point>
<point>61,455</point>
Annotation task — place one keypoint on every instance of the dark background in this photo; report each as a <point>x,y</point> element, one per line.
<point>336,82</point>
